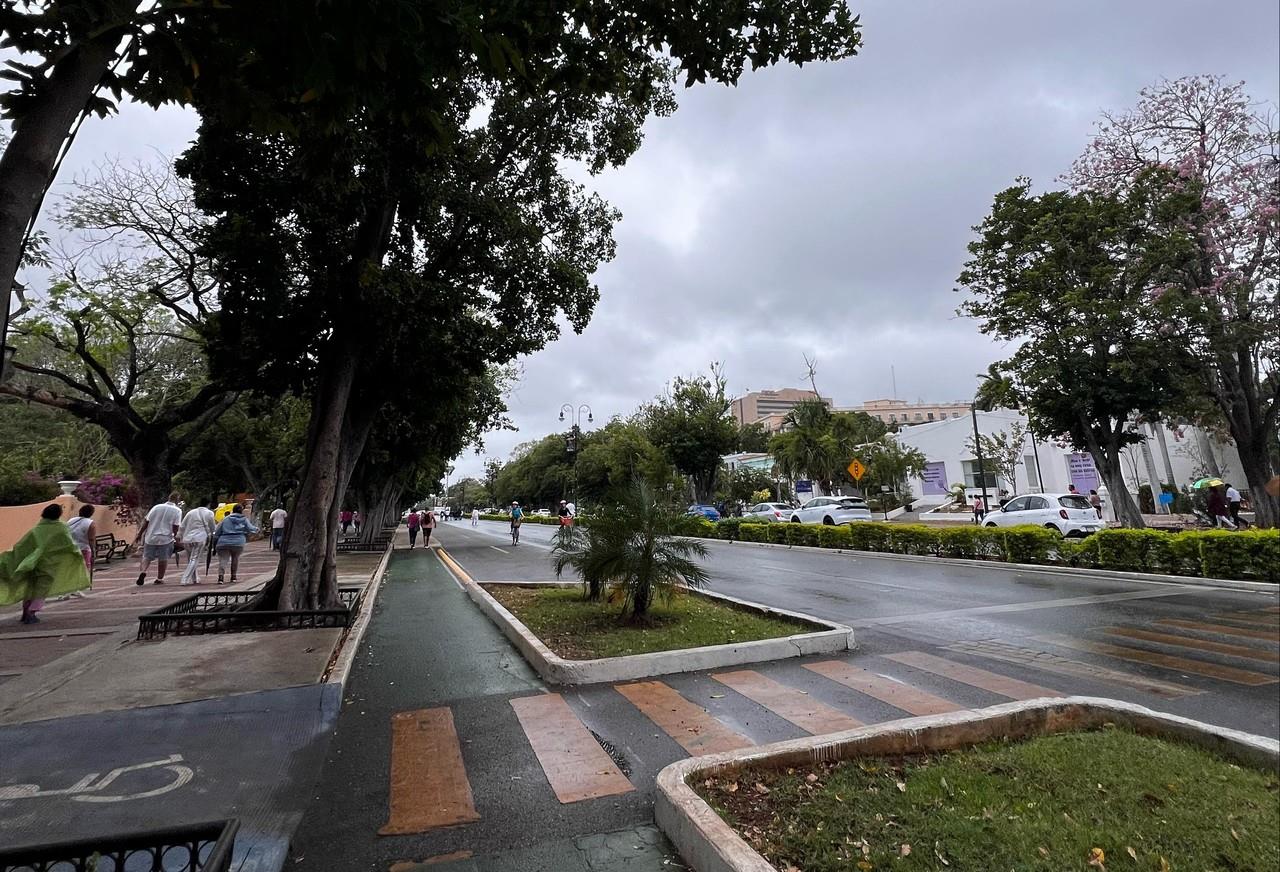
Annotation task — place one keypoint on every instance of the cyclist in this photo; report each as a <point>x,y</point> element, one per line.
<point>517,516</point>
<point>566,514</point>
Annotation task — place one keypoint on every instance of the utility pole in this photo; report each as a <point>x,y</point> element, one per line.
<point>571,441</point>
<point>977,447</point>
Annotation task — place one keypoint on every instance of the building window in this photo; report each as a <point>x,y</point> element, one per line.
<point>931,416</point>
<point>971,474</point>
<point>919,417</point>
<point>955,414</point>
<point>893,419</point>
<point>1033,474</point>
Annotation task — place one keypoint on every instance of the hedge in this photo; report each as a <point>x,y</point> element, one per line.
<point>1251,555</point>
<point>1247,555</point>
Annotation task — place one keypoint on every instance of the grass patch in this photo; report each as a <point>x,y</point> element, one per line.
<point>1042,804</point>
<point>580,630</point>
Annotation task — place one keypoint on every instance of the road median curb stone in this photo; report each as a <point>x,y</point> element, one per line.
<point>555,669</point>
<point>1105,574</point>
<point>709,844</point>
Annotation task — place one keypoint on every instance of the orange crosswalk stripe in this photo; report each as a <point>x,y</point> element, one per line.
<point>1168,661</point>
<point>895,693</point>
<point>575,765</point>
<point>429,786</point>
<point>788,703</point>
<point>690,725</point>
<point>1252,618</point>
<point>972,675</point>
<point>1197,644</point>
<point>1222,629</point>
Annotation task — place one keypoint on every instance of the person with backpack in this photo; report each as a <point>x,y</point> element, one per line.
<point>517,518</point>
<point>428,524</point>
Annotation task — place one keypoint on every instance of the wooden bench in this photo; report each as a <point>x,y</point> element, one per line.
<point>106,547</point>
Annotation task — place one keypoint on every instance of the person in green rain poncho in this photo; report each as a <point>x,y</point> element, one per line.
<point>44,563</point>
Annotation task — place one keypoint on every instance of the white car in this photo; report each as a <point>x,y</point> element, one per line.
<point>831,510</point>
<point>1069,514</point>
<point>767,512</point>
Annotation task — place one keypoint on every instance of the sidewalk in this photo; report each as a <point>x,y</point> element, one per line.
<point>193,728</point>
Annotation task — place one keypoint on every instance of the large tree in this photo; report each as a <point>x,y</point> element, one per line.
<point>1221,305</point>
<point>1070,276</point>
<point>819,443</point>
<point>119,338</point>
<point>692,426</point>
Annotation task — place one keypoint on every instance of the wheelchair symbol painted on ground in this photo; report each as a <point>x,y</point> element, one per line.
<point>93,787</point>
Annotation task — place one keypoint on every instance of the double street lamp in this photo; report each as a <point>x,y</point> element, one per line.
<point>571,441</point>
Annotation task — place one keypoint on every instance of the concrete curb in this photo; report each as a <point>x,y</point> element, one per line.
<point>1105,574</point>
<point>344,652</point>
<point>709,844</point>
<point>555,669</point>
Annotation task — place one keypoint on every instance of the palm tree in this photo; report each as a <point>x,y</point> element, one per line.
<point>632,545</point>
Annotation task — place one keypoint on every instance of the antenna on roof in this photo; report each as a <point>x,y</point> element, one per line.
<point>811,372</point>
<point>893,375</point>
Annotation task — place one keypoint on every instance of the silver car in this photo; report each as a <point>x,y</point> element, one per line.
<point>832,510</point>
<point>767,512</point>
<point>1069,514</point>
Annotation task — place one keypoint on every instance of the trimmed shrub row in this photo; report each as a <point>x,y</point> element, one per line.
<point>1252,555</point>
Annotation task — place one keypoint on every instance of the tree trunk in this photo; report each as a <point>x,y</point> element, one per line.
<point>1258,471</point>
<point>27,165</point>
<point>1107,460</point>
<point>1203,442</point>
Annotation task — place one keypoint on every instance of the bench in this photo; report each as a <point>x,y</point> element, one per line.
<point>106,547</point>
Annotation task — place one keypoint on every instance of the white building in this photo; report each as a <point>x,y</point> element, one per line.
<point>943,443</point>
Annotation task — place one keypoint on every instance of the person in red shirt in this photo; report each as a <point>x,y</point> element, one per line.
<point>413,522</point>
<point>345,517</point>
<point>979,510</point>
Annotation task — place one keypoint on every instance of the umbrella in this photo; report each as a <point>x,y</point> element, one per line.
<point>1207,482</point>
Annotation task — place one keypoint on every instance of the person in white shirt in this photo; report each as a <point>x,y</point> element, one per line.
<point>278,517</point>
<point>475,517</point>
<point>159,532</point>
<point>1233,503</point>
<point>194,533</point>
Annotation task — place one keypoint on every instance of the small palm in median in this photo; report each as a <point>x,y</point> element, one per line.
<point>634,547</point>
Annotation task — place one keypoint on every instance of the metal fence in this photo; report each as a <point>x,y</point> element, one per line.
<point>205,613</point>
<point>203,847</point>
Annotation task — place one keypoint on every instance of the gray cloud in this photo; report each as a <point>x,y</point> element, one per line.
<point>826,209</point>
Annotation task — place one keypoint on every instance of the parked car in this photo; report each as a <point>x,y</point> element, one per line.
<point>1069,514</point>
<point>767,512</point>
<point>708,512</point>
<point>543,513</point>
<point>831,510</point>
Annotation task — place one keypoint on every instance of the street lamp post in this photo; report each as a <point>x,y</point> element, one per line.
<point>575,417</point>
<point>977,446</point>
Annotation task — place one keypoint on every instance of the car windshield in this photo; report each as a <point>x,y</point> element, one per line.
<point>1074,501</point>
<point>852,504</point>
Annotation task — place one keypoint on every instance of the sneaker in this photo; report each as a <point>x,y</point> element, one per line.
<point>142,578</point>
<point>31,619</point>
<point>221,580</point>
<point>158,581</point>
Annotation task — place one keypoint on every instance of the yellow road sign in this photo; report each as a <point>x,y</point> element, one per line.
<point>856,469</point>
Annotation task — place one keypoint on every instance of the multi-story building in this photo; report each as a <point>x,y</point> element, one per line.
<point>903,413</point>
<point>771,407</point>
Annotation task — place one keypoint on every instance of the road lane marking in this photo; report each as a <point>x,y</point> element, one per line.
<point>692,727</point>
<point>499,550</point>
<point>787,703</point>
<point>1222,629</point>
<point>993,682</point>
<point>1166,661</point>
<point>896,693</point>
<point>575,765</point>
<point>1056,663</point>
<point>428,786</point>
<point>1036,605</point>
<point>1194,643</point>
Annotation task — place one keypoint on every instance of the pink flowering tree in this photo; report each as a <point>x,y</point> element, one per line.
<point>1220,305</point>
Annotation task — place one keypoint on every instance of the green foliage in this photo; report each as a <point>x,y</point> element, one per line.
<point>728,529</point>
<point>913,539</point>
<point>753,438</point>
<point>890,462</point>
<point>777,533</point>
<point>25,488</point>
<point>833,535</point>
<point>632,544</point>
<point>744,484</point>
<point>1028,543</point>
<point>869,536</point>
<point>819,443</point>
<point>692,427</point>
<point>1002,452</point>
<point>802,534</point>
<point>754,532</point>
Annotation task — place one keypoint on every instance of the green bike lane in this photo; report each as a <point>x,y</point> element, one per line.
<point>395,776</point>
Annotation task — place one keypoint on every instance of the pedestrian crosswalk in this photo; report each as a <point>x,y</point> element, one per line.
<point>429,786</point>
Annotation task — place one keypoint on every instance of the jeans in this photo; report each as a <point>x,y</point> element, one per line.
<point>413,536</point>
<point>277,538</point>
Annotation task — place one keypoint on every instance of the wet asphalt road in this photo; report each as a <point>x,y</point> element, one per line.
<point>897,605</point>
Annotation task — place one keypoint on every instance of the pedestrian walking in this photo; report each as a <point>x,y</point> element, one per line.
<point>1218,509</point>
<point>1233,504</point>
<point>345,517</point>
<point>46,562</point>
<point>475,517</point>
<point>428,524</point>
<point>414,522</point>
<point>196,535</point>
<point>1096,502</point>
<point>278,518</point>
<point>83,532</point>
<point>233,534</point>
<point>979,510</point>
<point>158,534</point>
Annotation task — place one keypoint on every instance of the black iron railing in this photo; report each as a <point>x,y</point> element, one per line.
<point>197,848</point>
<point>205,613</point>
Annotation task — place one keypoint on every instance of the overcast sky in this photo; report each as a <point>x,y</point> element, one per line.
<point>825,210</point>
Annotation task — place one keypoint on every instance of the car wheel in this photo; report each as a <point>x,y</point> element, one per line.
<point>989,524</point>
<point>795,519</point>
<point>1054,528</point>
<point>828,522</point>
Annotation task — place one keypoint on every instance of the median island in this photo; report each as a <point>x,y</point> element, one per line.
<point>1106,799</point>
<point>579,629</point>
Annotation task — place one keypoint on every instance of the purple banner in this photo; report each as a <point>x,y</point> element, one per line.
<point>934,476</point>
<point>1082,473</point>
